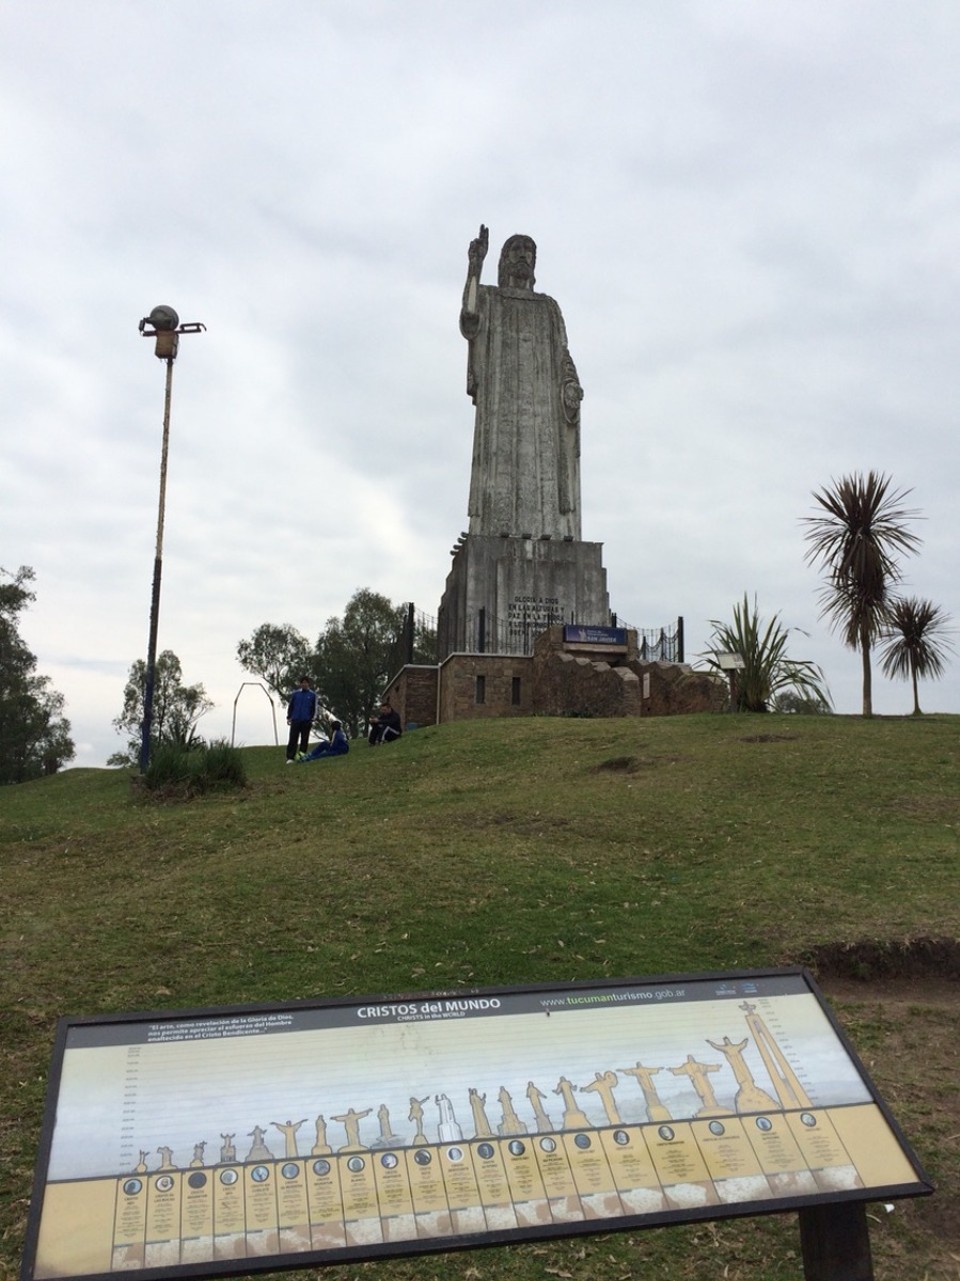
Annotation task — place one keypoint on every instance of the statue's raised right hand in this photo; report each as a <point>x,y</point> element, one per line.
<point>478,248</point>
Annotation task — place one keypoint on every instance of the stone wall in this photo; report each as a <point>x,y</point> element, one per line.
<point>479,685</point>
<point>672,689</point>
<point>568,684</point>
<point>413,693</point>
<point>560,679</point>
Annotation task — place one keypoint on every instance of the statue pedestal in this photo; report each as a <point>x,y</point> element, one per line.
<point>501,593</point>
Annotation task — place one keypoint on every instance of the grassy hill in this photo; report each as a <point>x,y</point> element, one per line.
<point>504,852</point>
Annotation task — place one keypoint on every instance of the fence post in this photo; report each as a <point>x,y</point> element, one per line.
<point>410,632</point>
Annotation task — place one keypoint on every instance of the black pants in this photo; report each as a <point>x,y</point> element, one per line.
<point>382,734</point>
<point>299,731</point>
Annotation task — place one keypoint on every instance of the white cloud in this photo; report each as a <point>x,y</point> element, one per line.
<point>750,222</point>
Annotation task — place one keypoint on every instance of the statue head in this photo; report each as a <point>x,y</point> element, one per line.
<point>518,258</point>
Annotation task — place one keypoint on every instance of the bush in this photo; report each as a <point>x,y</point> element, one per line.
<point>183,772</point>
<point>222,765</point>
<point>169,768</point>
<point>766,673</point>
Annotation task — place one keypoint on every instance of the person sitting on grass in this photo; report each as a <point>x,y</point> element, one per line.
<point>385,727</point>
<point>337,745</point>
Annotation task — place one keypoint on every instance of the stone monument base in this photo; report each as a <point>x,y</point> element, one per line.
<point>502,592</point>
<point>571,672</point>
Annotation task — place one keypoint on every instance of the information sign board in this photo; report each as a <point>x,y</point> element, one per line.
<point>211,1142</point>
<point>576,633</point>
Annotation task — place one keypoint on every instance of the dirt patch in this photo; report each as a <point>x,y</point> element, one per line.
<point>944,809</point>
<point>941,994</point>
<point>522,824</point>
<point>899,1002</point>
<point>874,961</point>
<point>769,738</point>
<point>631,764</point>
<point>626,764</point>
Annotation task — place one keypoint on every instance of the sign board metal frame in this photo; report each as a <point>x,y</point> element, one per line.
<point>250,1138</point>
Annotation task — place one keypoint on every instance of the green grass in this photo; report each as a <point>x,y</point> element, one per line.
<point>482,853</point>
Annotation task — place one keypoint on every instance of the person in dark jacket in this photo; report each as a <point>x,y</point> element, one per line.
<point>301,713</point>
<point>385,727</point>
<point>338,745</point>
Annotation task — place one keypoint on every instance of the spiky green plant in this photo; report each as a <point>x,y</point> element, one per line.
<point>767,669</point>
<point>914,642</point>
<point>176,771</point>
<point>857,541</point>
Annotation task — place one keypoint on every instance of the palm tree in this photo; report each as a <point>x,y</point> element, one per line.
<point>914,642</point>
<point>767,672</point>
<point>857,540</point>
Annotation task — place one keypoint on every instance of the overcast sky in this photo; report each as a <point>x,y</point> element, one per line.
<point>748,211</point>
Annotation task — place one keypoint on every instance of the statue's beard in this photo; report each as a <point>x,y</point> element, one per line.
<point>520,275</point>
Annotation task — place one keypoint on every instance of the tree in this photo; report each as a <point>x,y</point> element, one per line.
<point>357,655</point>
<point>34,734</point>
<point>914,642</point>
<point>278,655</point>
<point>857,540</point>
<point>789,702</point>
<point>176,708</point>
<point>767,672</point>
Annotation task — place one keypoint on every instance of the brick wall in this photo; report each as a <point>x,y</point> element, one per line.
<point>474,685</point>
<point>413,693</point>
<point>558,680</point>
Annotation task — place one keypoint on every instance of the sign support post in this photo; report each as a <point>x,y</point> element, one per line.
<point>835,1242</point>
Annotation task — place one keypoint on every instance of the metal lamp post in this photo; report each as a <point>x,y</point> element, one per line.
<point>163,323</point>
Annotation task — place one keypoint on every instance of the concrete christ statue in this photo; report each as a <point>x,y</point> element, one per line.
<point>525,478</point>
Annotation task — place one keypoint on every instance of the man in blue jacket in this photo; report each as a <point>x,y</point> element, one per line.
<point>301,713</point>
<point>338,745</point>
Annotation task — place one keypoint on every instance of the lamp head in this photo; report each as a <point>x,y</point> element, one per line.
<point>163,319</point>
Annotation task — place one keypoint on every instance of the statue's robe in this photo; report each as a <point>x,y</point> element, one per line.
<point>525,478</point>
